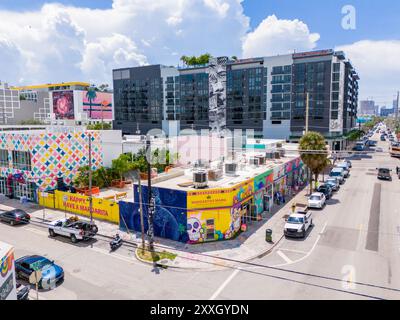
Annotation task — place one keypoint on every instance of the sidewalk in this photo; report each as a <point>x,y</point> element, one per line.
<point>214,255</point>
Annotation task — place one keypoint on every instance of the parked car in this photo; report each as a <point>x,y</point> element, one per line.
<point>317,200</point>
<point>22,291</point>
<point>383,138</point>
<point>73,228</point>
<point>345,167</point>
<point>16,216</point>
<point>337,173</point>
<point>349,164</point>
<point>384,174</point>
<point>333,182</point>
<point>51,272</point>
<point>326,189</point>
<point>298,223</point>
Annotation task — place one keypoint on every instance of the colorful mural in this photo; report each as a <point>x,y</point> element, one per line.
<point>63,104</point>
<point>53,155</point>
<point>170,215</point>
<point>100,107</point>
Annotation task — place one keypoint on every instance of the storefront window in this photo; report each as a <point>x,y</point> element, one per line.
<point>3,158</point>
<point>22,160</point>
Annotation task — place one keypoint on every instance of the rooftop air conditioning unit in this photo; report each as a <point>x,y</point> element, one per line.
<point>270,155</point>
<point>254,161</point>
<point>277,155</point>
<point>281,152</point>
<point>230,168</point>
<point>200,179</point>
<point>261,160</point>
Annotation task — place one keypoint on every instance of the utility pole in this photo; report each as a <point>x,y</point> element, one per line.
<point>141,209</point>
<point>307,109</point>
<point>90,179</point>
<point>151,207</point>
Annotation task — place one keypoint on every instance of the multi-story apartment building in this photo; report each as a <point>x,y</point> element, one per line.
<point>9,103</point>
<point>267,95</point>
<point>367,107</point>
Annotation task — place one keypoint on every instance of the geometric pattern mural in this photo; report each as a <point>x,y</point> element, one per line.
<point>53,155</point>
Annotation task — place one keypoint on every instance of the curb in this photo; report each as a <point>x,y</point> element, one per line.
<point>151,263</point>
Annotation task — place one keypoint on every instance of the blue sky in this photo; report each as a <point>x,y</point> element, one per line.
<point>376,20</point>
<point>68,44</point>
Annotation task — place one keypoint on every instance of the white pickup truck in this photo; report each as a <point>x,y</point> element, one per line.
<point>73,228</point>
<point>298,223</point>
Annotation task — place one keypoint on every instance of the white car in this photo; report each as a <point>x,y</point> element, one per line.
<point>316,200</point>
<point>73,228</point>
<point>297,224</point>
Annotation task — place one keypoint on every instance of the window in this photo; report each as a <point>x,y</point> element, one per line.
<point>336,67</point>
<point>4,158</point>
<point>22,160</point>
<point>335,86</point>
<point>336,77</point>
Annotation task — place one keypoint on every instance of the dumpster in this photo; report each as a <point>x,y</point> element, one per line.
<point>268,235</point>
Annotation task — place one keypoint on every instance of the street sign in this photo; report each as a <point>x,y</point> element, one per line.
<point>35,277</point>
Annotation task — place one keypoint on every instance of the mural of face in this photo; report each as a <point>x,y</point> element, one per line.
<point>193,229</point>
<point>236,219</point>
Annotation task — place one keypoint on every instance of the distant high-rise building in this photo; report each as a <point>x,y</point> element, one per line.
<point>367,107</point>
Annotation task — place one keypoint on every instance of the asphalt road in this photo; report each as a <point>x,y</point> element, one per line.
<point>352,252</point>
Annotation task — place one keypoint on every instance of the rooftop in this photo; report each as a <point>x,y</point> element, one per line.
<point>51,85</point>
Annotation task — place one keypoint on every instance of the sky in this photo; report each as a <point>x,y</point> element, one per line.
<point>83,40</point>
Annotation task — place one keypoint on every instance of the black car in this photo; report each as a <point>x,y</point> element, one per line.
<point>22,292</point>
<point>15,216</point>
<point>384,174</point>
<point>326,190</point>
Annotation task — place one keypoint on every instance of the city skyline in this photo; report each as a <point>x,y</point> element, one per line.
<point>68,41</point>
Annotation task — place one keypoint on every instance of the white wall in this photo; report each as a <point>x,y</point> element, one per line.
<point>111,143</point>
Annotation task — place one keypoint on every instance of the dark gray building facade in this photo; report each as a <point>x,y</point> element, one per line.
<point>266,94</point>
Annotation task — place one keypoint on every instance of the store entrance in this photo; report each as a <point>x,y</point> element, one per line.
<point>3,186</point>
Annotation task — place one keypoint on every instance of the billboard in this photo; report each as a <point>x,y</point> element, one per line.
<point>63,104</point>
<point>97,105</point>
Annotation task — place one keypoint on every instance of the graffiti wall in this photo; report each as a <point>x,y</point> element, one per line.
<point>260,184</point>
<point>217,93</point>
<point>53,155</point>
<point>99,106</point>
<point>170,213</point>
<point>63,104</point>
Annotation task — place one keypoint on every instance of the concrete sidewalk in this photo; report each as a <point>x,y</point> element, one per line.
<point>245,247</point>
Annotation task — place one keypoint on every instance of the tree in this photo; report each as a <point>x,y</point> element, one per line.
<point>103,87</point>
<point>99,126</point>
<point>315,161</point>
<point>193,60</point>
<point>122,165</point>
<point>91,95</point>
<point>31,122</point>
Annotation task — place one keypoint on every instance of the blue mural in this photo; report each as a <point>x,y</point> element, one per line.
<point>170,215</point>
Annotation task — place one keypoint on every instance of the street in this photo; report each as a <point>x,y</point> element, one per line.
<point>355,238</point>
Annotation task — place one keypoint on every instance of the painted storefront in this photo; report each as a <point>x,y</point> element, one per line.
<point>263,192</point>
<point>170,219</point>
<point>47,156</point>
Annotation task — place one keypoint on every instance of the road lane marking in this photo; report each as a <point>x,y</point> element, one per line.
<point>39,232</point>
<point>309,252</point>
<point>226,282</point>
<point>283,256</point>
<point>294,251</point>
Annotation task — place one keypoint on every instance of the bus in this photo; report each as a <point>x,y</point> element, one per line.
<point>394,149</point>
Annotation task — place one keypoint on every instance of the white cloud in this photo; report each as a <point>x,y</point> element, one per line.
<point>9,52</point>
<point>275,36</point>
<point>109,53</point>
<point>378,65</point>
<point>62,43</point>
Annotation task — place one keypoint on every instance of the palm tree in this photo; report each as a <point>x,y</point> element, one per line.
<point>315,161</point>
<point>91,95</point>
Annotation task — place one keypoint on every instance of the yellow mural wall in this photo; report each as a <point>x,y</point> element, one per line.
<point>221,197</point>
<point>209,225</point>
<point>79,204</point>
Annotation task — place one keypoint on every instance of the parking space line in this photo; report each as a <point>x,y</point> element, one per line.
<point>294,251</point>
<point>283,256</point>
